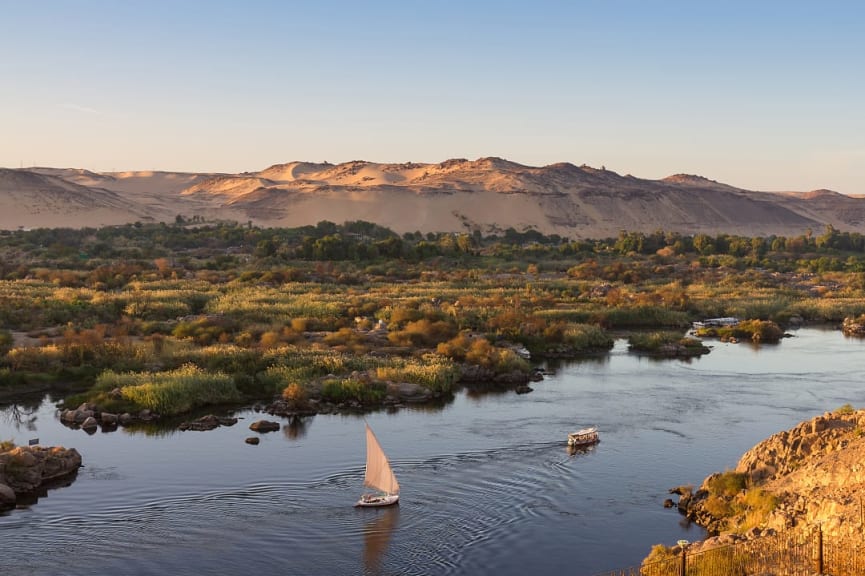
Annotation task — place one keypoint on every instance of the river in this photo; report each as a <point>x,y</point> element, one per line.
<point>488,486</point>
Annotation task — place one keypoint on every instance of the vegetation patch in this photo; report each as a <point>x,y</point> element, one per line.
<point>167,393</point>
<point>258,310</point>
<point>666,344</point>
<point>753,330</point>
<point>735,504</point>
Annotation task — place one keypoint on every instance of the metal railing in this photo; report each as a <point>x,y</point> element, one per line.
<point>797,552</point>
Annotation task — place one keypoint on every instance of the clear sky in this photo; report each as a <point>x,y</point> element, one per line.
<point>761,94</point>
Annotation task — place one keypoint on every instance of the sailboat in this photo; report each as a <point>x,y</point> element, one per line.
<point>378,475</point>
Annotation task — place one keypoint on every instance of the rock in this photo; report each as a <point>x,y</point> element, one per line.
<point>82,415</point>
<point>813,472</point>
<point>253,440</point>
<point>7,497</point>
<point>89,424</point>
<point>25,468</point>
<point>125,419</point>
<point>208,422</point>
<point>263,426</point>
<point>109,419</point>
<point>515,377</point>
<point>409,392</point>
<point>524,389</point>
<point>668,503</point>
<point>471,373</point>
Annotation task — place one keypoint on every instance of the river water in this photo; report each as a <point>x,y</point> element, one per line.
<point>488,486</point>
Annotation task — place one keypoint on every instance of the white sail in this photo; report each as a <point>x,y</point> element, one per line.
<point>378,473</point>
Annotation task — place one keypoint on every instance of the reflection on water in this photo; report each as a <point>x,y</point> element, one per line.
<point>377,534</point>
<point>32,498</point>
<point>20,417</point>
<point>296,427</point>
<point>576,450</point>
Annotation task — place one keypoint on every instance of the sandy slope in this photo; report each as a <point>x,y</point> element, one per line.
<point>487,194</point>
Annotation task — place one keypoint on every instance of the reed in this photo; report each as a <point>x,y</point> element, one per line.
<point>170,392</point>
<point>586,337</point>
<point>363,391</point>
<point>435,372</point>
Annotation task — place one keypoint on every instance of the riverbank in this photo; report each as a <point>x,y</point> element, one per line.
<point>453,459</point>
<point>809,475</point>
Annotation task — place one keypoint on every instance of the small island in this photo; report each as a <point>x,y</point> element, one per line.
<point>26,471</point>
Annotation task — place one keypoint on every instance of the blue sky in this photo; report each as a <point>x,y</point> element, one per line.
<point>767,95</point>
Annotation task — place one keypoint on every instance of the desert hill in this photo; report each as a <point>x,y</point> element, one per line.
<point>458,195</point>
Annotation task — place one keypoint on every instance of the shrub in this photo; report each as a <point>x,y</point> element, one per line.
<point>727,484</point>
<point>295,395</point>
<point>480,352</point>
<point>269,339</point>
<point>757,505</point>
<point>659,553</point>
<point>347,337</point>
<point>718,507</point>
<point>204,331</point>
<point>423,332</point>
<point>457,347</point>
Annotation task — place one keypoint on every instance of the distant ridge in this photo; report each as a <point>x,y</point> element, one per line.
<point>456,195</point>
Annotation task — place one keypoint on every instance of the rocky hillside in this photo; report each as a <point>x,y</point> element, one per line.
<point>811,474</point>
<point>488,194</point>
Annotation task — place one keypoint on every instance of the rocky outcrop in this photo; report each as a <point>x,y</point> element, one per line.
<point>208,422</point>
<point>26,469</point>
<point>680,350</point>
<point>408,392</point>
<point>90,417</point>
<point>812,474</point>
<point>475,374</point>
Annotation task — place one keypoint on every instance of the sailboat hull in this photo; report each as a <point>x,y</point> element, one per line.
<point>375,501</point>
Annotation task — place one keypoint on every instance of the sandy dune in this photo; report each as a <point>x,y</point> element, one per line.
<point>487,194</point>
